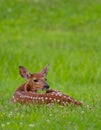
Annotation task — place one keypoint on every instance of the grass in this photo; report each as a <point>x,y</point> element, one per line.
<point>64,34</point>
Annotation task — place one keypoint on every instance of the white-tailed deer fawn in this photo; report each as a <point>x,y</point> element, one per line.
<point>28,92</point>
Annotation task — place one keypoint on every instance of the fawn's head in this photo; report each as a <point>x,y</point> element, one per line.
<point>35,81</point>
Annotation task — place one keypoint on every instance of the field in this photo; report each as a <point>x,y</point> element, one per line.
<point>65,34</point>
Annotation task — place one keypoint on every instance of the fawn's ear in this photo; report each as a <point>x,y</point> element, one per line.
<point>24,72</point>
<point>45,70</point>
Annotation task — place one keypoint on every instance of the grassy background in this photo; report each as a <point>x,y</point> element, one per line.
<point>65,34</point>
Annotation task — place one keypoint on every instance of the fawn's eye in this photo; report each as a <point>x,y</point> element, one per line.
<point>35,80</point>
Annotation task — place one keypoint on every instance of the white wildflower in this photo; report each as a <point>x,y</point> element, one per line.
<point>2,125</point>
<point>31,125</point>
<point>82,112</point>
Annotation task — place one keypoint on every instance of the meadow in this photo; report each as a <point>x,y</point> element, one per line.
<point>65,34</point>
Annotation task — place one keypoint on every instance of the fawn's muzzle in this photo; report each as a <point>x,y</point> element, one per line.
<point>46,86</point>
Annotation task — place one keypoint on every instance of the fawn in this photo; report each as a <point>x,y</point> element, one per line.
<point>28,92</point>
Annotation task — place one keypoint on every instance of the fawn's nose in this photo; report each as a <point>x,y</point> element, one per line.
<point>46,86</point>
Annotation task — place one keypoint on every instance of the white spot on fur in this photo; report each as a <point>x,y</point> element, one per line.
<point>60,94</point>
<point>31,97</point>
<point>58,100</point>
<point>69,98</point>
<point>54,99</point>
<point>64,96</point>
<point>46,98</point>
<point>14,100</point>
<point>42,99</point>
<point>50,98</point>
<point>66,102</point>
<point>36,98</point>
<point>39,98</point>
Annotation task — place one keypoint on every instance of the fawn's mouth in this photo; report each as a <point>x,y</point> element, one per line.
<point>46,88</point>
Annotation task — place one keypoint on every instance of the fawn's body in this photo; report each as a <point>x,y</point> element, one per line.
<point>28,92</point>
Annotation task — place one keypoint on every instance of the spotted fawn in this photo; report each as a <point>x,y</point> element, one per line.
<point>28,92</point>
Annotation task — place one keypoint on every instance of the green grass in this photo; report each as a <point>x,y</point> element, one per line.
<point>64,34</point>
